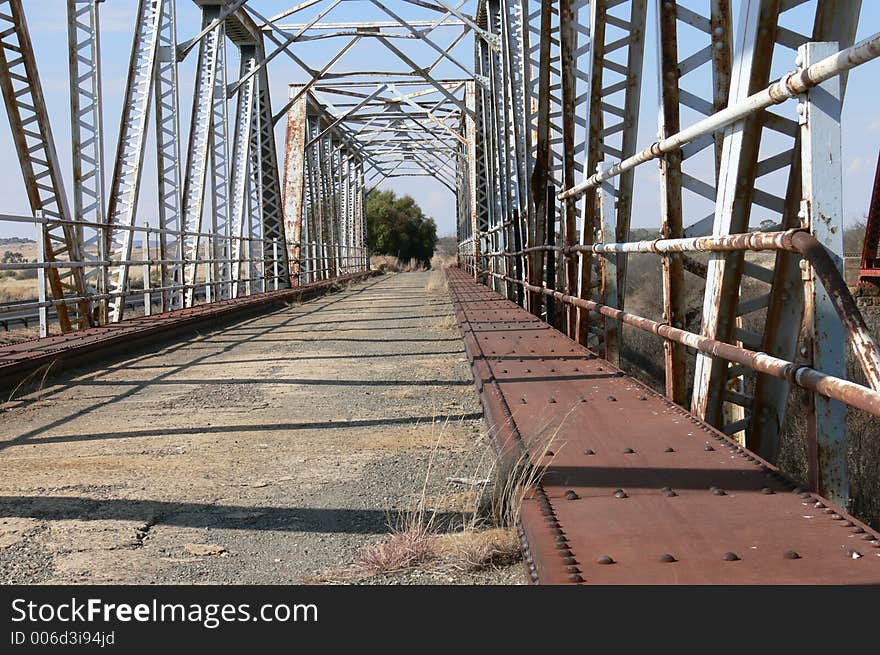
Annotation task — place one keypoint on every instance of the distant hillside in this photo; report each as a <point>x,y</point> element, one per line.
<point>9,241</point>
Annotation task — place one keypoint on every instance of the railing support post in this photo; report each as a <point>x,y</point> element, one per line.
<point>145,256</point>
<point>41,275</point>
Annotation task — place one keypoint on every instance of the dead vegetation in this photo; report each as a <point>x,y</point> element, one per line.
<point>468,526</point>
<point>389,264</point>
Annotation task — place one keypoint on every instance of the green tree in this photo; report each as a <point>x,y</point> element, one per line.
<point>398,227</point>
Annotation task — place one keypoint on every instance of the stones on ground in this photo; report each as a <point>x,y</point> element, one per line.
<point>206,550</point>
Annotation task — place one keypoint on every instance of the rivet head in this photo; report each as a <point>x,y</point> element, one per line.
<point>612,399</point>
<point>790,554</point>
<point>572,569</point>
<point>522,401</point>
<point>628,451</point>
<point>550,453</point>
<point>575,577</point>
<point>796,490</point>
<point>552,401</point>
<point>853,554</point>
<point>847,524</point>
<point>670,493</point>
<point>767,491</point>
<point>719,492</point>
<point>643,397</point>
<point>708,448</point>
<point>571,495</point>
<point>589,451</point>
<point>669,450</point>
<point>620,493</point>
<point>836,517</point>
<point>605,559</point>
<point>730,557</point>
<point>666,557</point>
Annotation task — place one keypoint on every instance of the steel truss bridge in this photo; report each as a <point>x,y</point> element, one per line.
<point>527,111</point>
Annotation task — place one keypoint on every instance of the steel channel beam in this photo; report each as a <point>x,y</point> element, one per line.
<point>767,413</point>
<point>38,159</point>
<point>241,164</point>
<point>170,180</point>
<point>127,170</point>
<point>209,63</point>
<point>87,134</point>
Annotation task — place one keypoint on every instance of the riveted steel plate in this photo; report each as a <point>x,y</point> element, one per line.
<point>636,490</point>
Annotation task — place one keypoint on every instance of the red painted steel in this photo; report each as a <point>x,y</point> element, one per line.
<point>637,490</point>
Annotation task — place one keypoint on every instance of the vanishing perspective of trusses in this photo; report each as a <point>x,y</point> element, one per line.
<point>527,111</point>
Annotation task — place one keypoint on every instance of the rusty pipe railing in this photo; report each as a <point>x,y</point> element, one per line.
<point>790,86</point>
<point>797,240</point>
<point>851,393</point>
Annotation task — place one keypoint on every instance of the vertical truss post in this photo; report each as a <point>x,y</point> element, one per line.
<point>733,204</point>
<point>822,212</point>
<point>486,208</point>
<point>362,216</point>
<point>87,133</point>
<point>168,160</point>
<point>515,45</point>
<point>210,46</point>
<point>678,70</point>
<point>543,161</point>
<point>38,158</point>
<point>471,167</point>
<point>220,183</point>
<point>744,166</point>
<point>272,204</point>
<point>294,182</point>
<point>241,163</point>
<point>670,200</point>
<point>606,206</point>
<point>633,25</point>
<point>256,212</point>
<point>568,46</point>
<point>618,39</point>
<point>835,21</point>
<point>126,181</point>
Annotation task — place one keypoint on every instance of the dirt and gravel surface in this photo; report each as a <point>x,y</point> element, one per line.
<point>269,451</point>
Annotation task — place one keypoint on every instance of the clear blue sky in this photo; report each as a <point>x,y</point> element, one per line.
<point>861,133</point>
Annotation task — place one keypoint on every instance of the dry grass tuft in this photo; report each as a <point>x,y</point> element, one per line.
<point>479,550</point>
<point>437,283</point>
<point>441,262</point>
<point>389,264</point>
<point>484,536</point>
<point>404,550</point>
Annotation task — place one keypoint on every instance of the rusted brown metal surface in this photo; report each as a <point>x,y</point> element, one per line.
<point>17,361</point>
<point>636,489</point>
